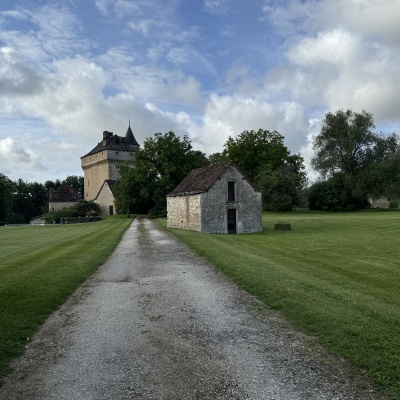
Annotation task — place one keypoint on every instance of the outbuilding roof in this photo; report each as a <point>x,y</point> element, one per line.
<point>201,179</point>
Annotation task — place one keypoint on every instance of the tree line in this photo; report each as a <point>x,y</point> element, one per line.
<point>166,159</point>
<point>20,201</point>
<point>355,163</point>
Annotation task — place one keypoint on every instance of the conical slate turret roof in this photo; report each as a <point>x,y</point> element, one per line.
<point>129,138</point>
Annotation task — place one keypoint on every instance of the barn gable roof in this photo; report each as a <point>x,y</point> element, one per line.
<point>201,179</point>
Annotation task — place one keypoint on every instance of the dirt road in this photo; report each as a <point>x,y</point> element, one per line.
<point>158,322</point>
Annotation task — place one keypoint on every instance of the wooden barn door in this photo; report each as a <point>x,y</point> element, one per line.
<point>231,221</point>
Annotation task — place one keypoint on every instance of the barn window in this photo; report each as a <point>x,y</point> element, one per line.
<point>231,191</point>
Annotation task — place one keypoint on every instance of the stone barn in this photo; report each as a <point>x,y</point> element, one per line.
<point>216,199</point>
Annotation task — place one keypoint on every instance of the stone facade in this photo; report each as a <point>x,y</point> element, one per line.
<point>228,203</point>
<point>105,198</point>
<point>184,212</point>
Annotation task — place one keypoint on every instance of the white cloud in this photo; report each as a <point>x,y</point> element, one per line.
<point>11,151</point>
<point>217,7</point>
<point>230,115</point>
<point>15,77</point>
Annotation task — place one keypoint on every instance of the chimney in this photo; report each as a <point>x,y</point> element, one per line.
<point>106,137</point>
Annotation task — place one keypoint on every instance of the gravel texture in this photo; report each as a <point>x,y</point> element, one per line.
<point>158,322</point>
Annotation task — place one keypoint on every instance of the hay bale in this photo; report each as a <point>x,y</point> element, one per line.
<point>283,227</point>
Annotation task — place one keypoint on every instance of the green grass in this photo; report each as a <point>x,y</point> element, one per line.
<point>40,267</point>
<point>335,275</point>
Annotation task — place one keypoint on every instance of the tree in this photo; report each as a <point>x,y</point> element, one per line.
<point>158,168</point>
<point>6,198</point>
<point>347,145</point>
<point>76,183</point>
<point>39,199</point>
<point>254,152</point>
<point>264,158</point>
<point>334,194</point>
<point>282,187</point>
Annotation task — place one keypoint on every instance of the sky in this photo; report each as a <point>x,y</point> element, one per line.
<point>209,69</point>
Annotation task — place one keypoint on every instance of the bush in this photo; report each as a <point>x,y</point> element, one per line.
<point>335,194</point>
<point>64,213</point>
<point>83,207</point>
<point>394,204</point>
<point>157,212</point>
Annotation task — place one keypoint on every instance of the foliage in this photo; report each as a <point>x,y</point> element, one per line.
<point>334,275</point>
<point>264,158</point>
<point>76,182</point>
<point>57,215</point>
<point>20,201</point>
<point>159,167</point>
<point>384,178</point>
<point>348,147</point>
<point>40,267</point>
<point>84,206</point>
<point>255,152</point>
<point>5,198</point>
<point>336,194</point>
<point>282,188</point>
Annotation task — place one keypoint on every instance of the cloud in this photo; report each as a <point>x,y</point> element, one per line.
<point>230,115</point>
<point>373,19</point>
<point>337,58</point>
<point>11,151</point>
<point>217,7</point>
<point>15,77</point>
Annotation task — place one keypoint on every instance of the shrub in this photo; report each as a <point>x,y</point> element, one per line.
<point>84,206</point>
<point>64,213</point>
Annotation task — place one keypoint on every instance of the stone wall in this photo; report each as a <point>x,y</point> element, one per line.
<point>247,204</point>
<point>59,205</point>
<point>208,211</point>
<point>184,212</point>
<point>105,199</point>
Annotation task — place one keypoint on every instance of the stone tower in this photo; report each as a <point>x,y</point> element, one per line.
<point>100,164</point>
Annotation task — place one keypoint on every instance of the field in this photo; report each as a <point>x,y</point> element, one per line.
<point>334,275</point>
<point>40,266</point>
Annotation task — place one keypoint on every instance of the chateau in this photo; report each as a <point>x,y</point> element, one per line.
<point>100,168</point>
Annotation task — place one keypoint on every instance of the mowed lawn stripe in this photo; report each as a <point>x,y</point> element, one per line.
<point>46,266</point>
<point>335,275</point>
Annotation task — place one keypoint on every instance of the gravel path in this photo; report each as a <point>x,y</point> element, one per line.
<point>158,322</point>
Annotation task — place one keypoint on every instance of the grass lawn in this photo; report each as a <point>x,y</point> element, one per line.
<point>40,267</point>
<point>335,275</point>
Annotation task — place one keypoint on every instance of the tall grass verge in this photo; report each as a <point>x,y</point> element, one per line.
<point>40,267</point>
<point>336,276</point>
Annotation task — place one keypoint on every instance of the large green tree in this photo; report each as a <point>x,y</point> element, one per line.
<point>158,167</point>
<point>349,147</point>
<point>264,158</point>
<point>256,151</point>
<point>6,197</point>
<point>282,187</point>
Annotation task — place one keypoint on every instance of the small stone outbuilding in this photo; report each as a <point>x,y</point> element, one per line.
<point>63,197</point>
<point>216,199</point>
